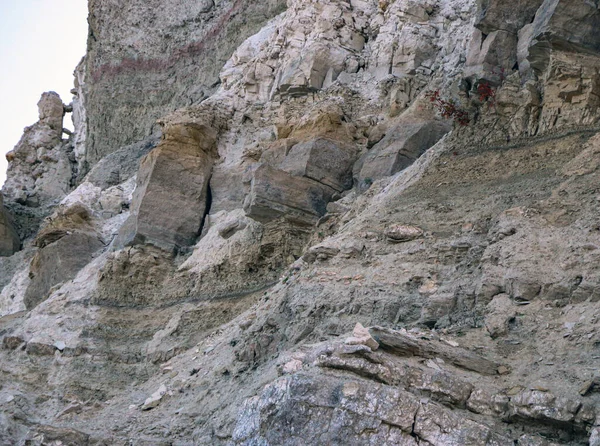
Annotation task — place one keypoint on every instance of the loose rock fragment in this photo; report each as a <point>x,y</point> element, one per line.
<point>402,233</point>
<point>155,399</point>
<point>362,336</point>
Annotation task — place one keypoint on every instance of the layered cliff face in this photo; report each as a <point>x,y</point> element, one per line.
<point>208,262</point>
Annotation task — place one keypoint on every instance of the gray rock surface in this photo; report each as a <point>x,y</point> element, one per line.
<point>168,59</point>
<point>400,147</point>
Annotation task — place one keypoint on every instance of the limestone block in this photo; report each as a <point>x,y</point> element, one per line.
<point>58,262</point>
<point>275,193</point>
<point>509,16</point>
<point>553,30</point>
<point>491,56</point>
<point>170,199</point>
<point>400,148</point>
<point>322,160</point>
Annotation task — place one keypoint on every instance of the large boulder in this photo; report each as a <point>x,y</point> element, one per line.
<point>171,197</point>
<point>275,193</point>
<point>508,16</point>
<point>553,29</point>
<point>58,262</point>
<point>322,160</point>
<point>66,243</point>
<point>402,145</point>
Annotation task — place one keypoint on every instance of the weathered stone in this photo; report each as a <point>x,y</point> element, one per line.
<point>40,170</point>
<point>498,15</point>
<point>120,165</point>
<point>320,252</point>
<point>59,261</point>
<point>442,427</point>
<point>321,160</point>
<point>553,30</point>
<point>499,312</point>
<point>275,193</point>
<point>406,345</point>
<point>39,349</point>
<point>591,386</point>
<point>543,406</point>
<point>9,240</point>
<point>402,233</point>
<point>399,148</point>
<point>155,399</point>
<point>52,435</point>
<point>12,342</point>
<point>171,197</point>
<point>67,220</point>
<point>491,57</point>
<point>361,336</point>
<point>329,409</point>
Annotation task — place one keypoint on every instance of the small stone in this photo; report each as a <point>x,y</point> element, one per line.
<point>60,345</point>
<point>292,367</point>
<point>503,370</point>
<point>155,399</point>
<point>209,349</point>
<point>362,336</point>
<point>402,233</point>
<point>591,386</point>
<point>514,390</point>
<point>450,342</point>
<point>432,365</point>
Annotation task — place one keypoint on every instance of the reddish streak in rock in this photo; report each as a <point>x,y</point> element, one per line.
<point>193,49</point>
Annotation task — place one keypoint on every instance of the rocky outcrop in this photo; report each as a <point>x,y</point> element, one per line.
<point>40,168</point>
<point>217,293</point>
<point>66,244</point>
<point>401,146</point>
<point>171,58</point>
<point>172,195</point>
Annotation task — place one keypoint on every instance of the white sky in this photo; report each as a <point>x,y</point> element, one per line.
<point>41,42</point>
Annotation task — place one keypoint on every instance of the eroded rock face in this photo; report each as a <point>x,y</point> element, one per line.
<point>132,76</point>
<point>66,244</point>
<point>9,240</point>
<point>275,193</point>
<point>40,168</point>
<point>253,290</point>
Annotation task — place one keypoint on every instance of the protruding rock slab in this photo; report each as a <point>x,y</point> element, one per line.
<point>553,29</point>
<point>321,160</point>
<point>405,345</point>
<point>58,262</point>
<point>9,240</point>
<point>400,148</point>
<point>275,193</point>
<point>41,434</point>
<point>508,16</point>
<point>170,199</point>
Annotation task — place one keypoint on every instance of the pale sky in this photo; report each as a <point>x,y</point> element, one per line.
<point>41,42</point>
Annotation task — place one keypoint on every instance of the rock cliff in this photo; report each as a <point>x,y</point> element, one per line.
<point>344,222</point>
